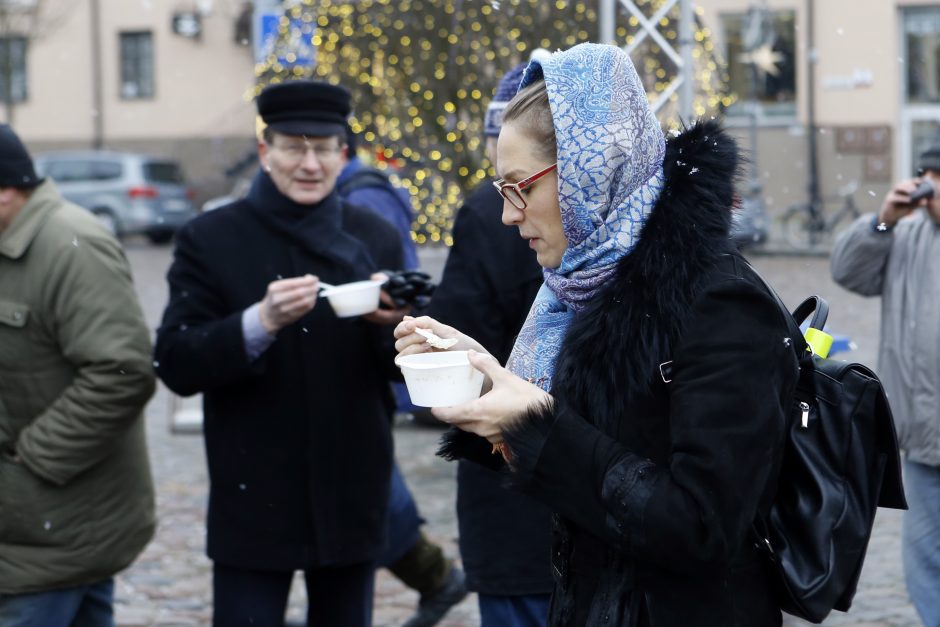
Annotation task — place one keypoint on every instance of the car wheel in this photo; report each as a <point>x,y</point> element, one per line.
<point>108,220</point>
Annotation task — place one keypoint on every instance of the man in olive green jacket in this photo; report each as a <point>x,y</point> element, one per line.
<point>76,496</point>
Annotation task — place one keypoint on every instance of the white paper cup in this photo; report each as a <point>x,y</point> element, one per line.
<point>440,379</point>
<point>353,299</point>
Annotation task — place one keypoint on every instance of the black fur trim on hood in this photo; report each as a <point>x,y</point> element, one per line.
<point>633,323</point>
<point>631,327</point>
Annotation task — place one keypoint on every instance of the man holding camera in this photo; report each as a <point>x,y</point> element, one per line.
<point>894,254</point>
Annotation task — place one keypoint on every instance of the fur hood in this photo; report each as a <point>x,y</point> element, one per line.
<point>618,341</point>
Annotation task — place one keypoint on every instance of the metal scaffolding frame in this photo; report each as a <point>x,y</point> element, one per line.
<point>682,58</point>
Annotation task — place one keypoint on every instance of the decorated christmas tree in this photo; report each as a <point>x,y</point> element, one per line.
<point>423,71</point>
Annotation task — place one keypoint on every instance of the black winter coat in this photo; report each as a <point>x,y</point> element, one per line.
<point>489,283</point>
<point>298,441</point>
<point>666,432</point>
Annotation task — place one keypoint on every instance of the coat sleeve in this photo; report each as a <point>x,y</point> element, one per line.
<point>200,343</point>
<point>860,256</point>
<point>732,379</point>
<point>100,329</point>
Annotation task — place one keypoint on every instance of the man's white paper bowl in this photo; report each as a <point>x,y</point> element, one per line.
<point>440,379</point>
<point>353,299</point>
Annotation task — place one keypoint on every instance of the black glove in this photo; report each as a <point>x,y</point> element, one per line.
<point>409,287</point>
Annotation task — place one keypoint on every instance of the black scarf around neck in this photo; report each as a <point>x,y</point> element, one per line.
<point>317,229</point>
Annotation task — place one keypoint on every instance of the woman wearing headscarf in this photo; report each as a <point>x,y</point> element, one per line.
<point>645,398</point>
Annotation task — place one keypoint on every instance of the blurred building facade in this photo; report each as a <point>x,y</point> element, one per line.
<point>876,93</point>
<point>164,77</point>
<point>170,77</point>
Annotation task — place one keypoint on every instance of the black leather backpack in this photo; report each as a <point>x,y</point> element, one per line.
<point>840,464</point>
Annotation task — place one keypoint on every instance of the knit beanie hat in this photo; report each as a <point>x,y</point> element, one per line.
<point>930,158</point>
<point>507,88</point>
<point>16,166</point>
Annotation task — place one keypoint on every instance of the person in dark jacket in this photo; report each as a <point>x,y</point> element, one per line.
<point>295,399</point>
<point>505,537</point>
<point>410,554</point>
<point>645,399</point>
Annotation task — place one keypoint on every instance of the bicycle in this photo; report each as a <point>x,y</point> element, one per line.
<point>805,225</point>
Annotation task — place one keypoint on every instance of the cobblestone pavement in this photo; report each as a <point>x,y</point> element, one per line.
<point>170,583</point>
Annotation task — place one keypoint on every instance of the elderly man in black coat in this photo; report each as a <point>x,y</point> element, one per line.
<point>296,399</point>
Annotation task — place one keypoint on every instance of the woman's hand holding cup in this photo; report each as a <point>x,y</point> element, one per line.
<point>409,342</point>
<point>507,401</point>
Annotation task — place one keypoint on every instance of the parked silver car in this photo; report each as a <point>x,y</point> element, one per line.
<point>129,193</point>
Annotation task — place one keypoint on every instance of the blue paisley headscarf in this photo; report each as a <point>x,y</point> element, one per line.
<point>610,174</point>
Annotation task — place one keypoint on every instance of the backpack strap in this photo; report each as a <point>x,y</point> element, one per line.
<point>792,319</point>
<point>366,178</point>
<point>815,305</point>
<point>363,178</point>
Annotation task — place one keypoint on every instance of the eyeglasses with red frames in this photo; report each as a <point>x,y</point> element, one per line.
<point>513,191</point>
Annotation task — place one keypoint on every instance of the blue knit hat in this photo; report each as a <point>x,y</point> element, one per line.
<point>507,88</point>
<point>505,91</point>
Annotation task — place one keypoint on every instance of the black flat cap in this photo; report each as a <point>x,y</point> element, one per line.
<point>303,107</point>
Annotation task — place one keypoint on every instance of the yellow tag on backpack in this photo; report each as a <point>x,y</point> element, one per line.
<point>819,341</point>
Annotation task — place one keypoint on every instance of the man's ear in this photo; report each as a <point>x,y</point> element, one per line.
<point>6,195</point>
<point>263,158</point>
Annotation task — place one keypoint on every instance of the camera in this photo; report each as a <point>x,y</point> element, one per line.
<point>409,287</point>
<point>925,190</point>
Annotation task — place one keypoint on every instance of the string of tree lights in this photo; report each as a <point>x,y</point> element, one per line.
<point>422,73</point>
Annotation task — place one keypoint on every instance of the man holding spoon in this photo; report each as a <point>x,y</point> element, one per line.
<point>295,398</point>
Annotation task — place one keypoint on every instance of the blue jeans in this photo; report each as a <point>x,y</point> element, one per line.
<point>402,398</point>
<point>514,611</point>
<point>403,521</point>
<point>920,540</point>
<point>81,606</point>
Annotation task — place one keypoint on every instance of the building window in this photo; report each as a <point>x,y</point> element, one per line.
<point>922,41</point>
<point>924,134</point>
<point>773,85</point>
<point>13,69</point>
<point>922,77</point>
<point>137,65</point>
